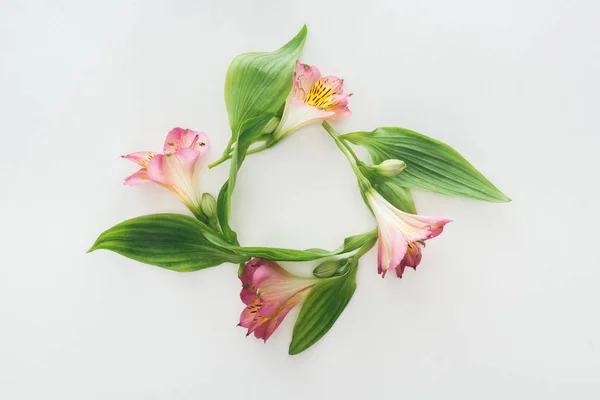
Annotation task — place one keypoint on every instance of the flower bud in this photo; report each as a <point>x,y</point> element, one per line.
<point>389,167</point>
<point>209,205</point>
<point>328,268</point>
<point>271,125</point>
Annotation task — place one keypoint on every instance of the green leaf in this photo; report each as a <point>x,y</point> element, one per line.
<point>258,83</point>
<point>430,164</point>
<point>171,241</point>
<point>321,309</point>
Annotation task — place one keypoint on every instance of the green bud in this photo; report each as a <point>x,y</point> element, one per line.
<point>209,205</point>
<point>271,125</point>
<point>328,268</point>
<point>389,167</point>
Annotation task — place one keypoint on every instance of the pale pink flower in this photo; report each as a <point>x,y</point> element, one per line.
<point>269,293</point>
<point>400,234</point>
<point>313,99</point>
<point>174,168</point>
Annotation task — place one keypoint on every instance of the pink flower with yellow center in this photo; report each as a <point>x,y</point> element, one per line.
<point>400,234</point>
<point>269,293</point>
<point>313,99</point>
<point>175,168</point>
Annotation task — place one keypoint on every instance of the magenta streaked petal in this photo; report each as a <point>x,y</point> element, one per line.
<point>269,292</point>
<point>260,329</point>
<point>411,259</point>
<point>249,315</point>
<point>248,295</point>
<point>278,319</point>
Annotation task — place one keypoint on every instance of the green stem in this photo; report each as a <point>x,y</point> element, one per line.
<point>221,160</point>
<point>226,157</point>
<point>260,148</point>
<point>354,161</point>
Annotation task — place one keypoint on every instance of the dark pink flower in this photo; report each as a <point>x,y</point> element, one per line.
<point>269,293</point>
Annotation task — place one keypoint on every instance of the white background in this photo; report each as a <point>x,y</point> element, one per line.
<point>505,303</point>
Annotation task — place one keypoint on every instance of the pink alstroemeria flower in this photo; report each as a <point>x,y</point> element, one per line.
<point>269,293</point>
<point>400,234</point>
<point>313,99</point>
<point>175,168</point>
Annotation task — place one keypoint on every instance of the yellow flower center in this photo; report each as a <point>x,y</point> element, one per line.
<point>322,95</point>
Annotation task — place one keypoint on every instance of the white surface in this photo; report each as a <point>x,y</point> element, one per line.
<point>505,304</point>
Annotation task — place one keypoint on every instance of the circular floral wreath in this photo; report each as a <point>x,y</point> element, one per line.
<point>268,97</point>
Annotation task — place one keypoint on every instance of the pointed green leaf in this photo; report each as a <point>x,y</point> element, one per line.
<point>171,241</point>
<point>258,83</point>
<point>430,164</point>
<point>324,304</point>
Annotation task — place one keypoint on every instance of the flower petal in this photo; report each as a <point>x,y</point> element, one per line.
<point>411,259</point>
<point>176,172</point>
<point>249,314</point>
<point>420,227</point>
<point>391,249</point>
<point>179,138</point>
<point>304,78</point>
<point>137,178</point>
<point>298,114</point>
<point>141,158</point>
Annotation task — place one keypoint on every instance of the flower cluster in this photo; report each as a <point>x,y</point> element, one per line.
<point>269,96</point>
<point>269,291</point>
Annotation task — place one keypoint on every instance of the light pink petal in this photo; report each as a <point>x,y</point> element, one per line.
<point>137,178</point>
<point>334,83</point>
<point>391,248</point>
<point>179,138</point>
<point>304,78</point>
<point>142,158</point>
<point>298,114</point>
<point>419,227</point>
<point>176,172</point>
<point>341,113</point>
<point>173,169</point>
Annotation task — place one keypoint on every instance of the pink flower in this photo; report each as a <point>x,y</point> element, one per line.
<point>313,99</point>
<point>175,169</point>
<point>400,234</point>
<point>269,293</point>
